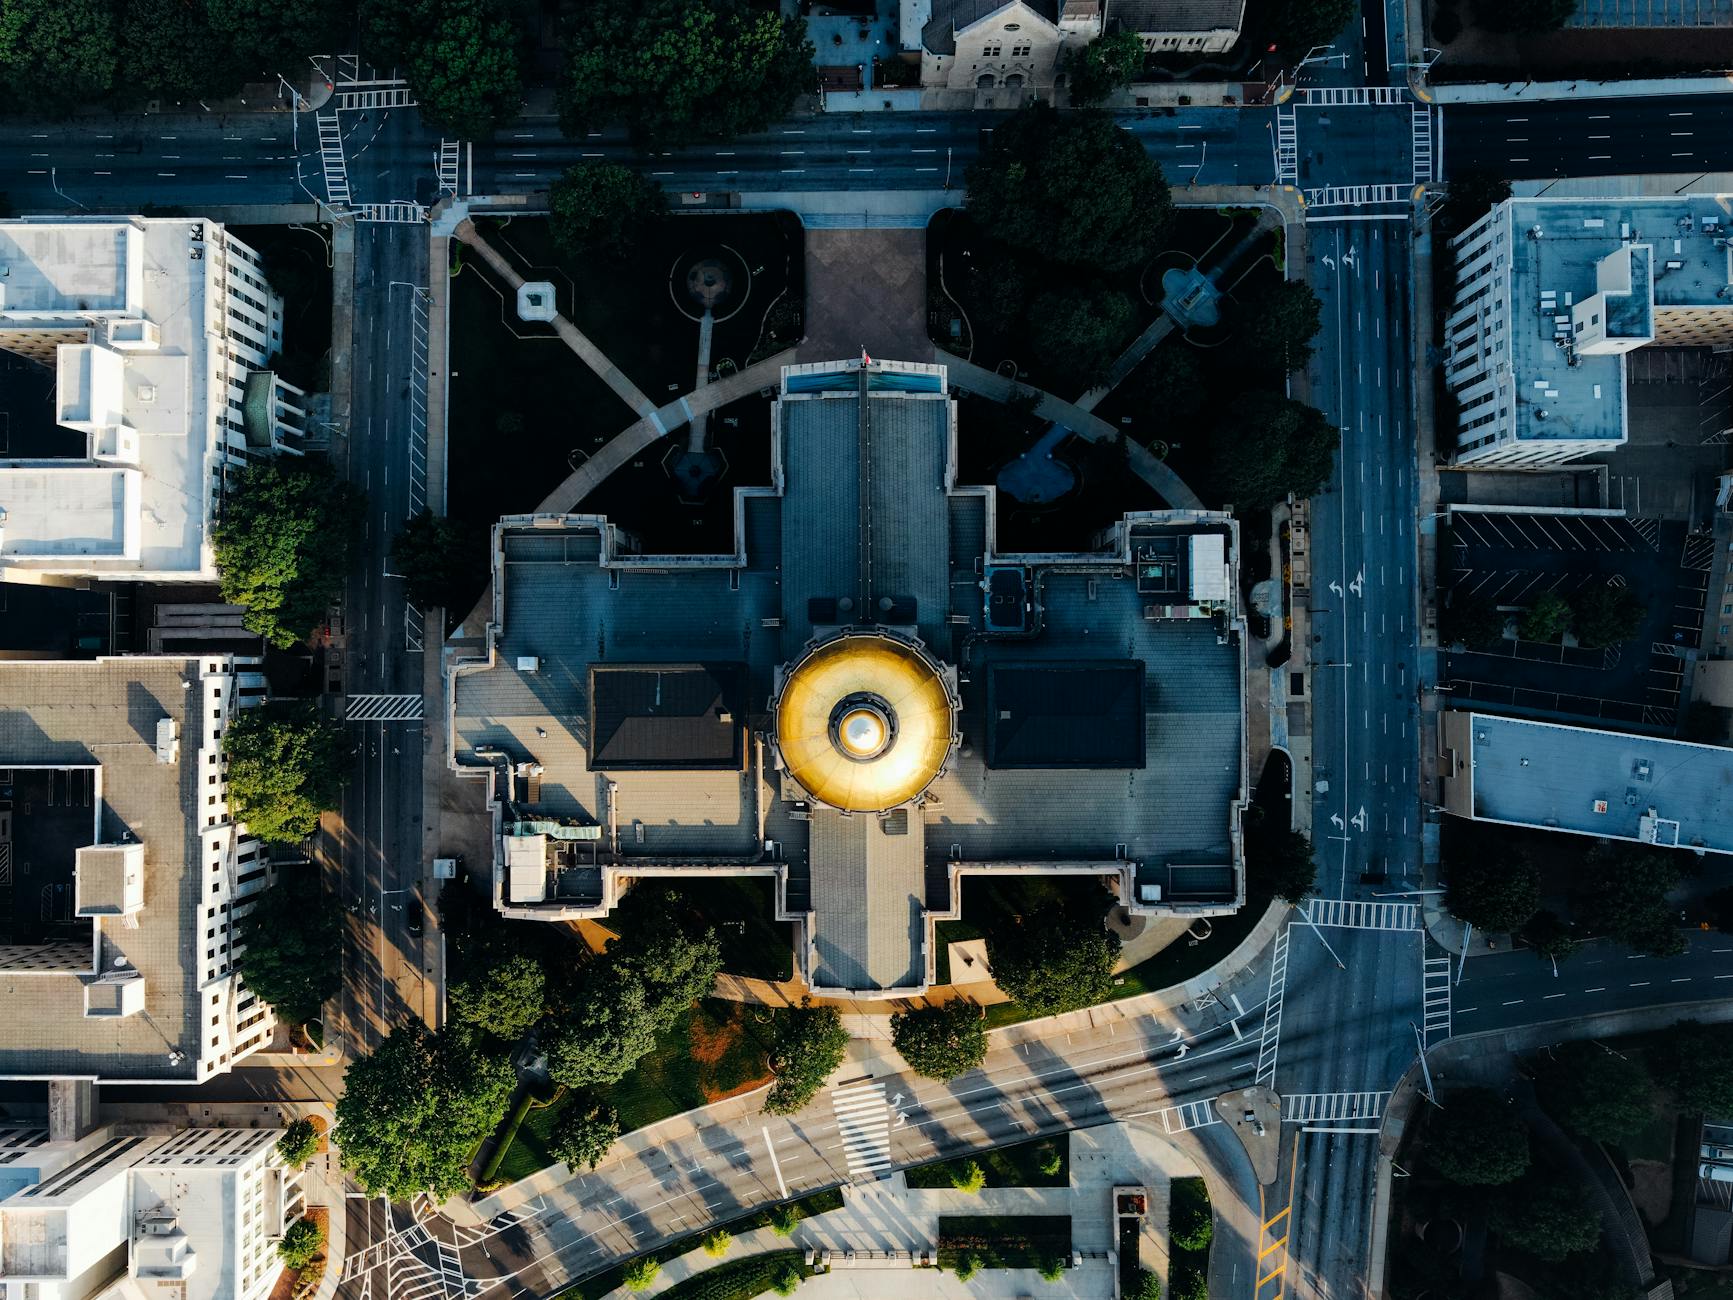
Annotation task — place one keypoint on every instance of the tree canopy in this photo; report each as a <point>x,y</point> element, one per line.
<point>632,993</point>
<point>1548,619</point>
<point>294,946</point>
<point>1298,25</point>
<point>286,765</point>
<point>810,1043</point>
<point>1285,861</point>
<point>1627,898</point>
<point>941,1041</point>
<point>461,57</point>
<point>1470,196</point>
<point>443,561</point>
<point>1267,446</point>
<point>1549,1217</point>
<point>1103,66</point>
<point>1276,326</point>
<point>1053,962</point>
<point>56,54</point>
<point>1494,892</point>
<point>1168,381</point>
<point>583,1133</point>
<point>1071,188</point>
<point>504,999</point>
<point>282,547</point>
<point>299,1142</point>
<point>1080,331</point>
<point>1473,620</point>
<point>1477,1138</point>
<point>1550,935</point>
<point>413,1111</point>
<point>1603,615</point>
<point>674,71</point>
<point>303,1240</point>
<point>1695,1062</point>
<point>602,208</point>
<point>1601,1094</point>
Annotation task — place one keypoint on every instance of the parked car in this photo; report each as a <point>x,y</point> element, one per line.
<point>1712,1152</point>
<point>413,912</point>
<point>1716,1173</point>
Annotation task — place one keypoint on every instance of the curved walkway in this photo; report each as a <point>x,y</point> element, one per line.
<point>1144,463</point>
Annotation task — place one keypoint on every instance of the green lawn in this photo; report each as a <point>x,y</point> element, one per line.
<point>1012,1166</point>
<point>1004,1240</point>
<point>600,1284</point>
<point>742,911</point>
<point>714,1053</point>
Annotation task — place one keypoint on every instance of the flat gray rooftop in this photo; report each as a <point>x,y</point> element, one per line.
<point>1558,777</point>
<point>106,713</point>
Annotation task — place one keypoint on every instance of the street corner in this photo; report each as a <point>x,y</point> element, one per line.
<point>1255,1116</point>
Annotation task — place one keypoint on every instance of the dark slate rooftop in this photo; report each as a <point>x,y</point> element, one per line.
<point>667,716</point>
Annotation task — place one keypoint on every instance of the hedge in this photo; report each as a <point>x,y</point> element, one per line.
<point>507,1133</point>
<point>740,1279</point>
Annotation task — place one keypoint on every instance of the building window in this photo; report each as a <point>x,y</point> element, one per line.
<point>1021,51</point>
<point>992,51</point>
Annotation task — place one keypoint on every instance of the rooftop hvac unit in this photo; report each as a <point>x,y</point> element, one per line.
<point>529,663</point>
<point>168,740</point>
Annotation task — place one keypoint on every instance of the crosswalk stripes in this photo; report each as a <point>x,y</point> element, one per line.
<point>448,160</point>
<point>1287,146</point>
<point>1307,1107</point>
<point>378,97</point>
<point>1435,995</point>
<point>864,1119</point>
<point>1352,914</point>
<point>1348,96</point>
<point>1355,196</point>
<point>1194,1114</point>
<point>1420,128</point>
<point>383,708</point>
<point>1272,1035</point>
<point>400,214</point>
<point>331,158</point>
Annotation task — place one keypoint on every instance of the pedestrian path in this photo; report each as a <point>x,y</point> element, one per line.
<point>1352,914</point>
<point>1435,994</point>
<point>864,1119</point>
<point>1193,1114</point>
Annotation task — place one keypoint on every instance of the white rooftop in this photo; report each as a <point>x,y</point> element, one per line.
<point>70,267</point>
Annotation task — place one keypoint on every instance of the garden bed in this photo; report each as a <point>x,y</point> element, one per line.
<point>1186,1195</point>
<point>739,1279</point>
<point>1018,1165</point>
<point>1004,1240</point>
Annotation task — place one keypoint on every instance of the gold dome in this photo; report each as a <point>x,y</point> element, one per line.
<point>864,722</point>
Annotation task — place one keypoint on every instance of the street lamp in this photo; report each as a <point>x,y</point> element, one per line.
<point>1312,56</point>
<point>1423,62</point>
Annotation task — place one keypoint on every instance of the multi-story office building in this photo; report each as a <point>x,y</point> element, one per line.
<point>160,332</point>
<point>119,1215</point>
<point>1552,294</point>
<point>122,872</point>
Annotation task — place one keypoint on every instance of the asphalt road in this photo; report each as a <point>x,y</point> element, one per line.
<point>1590,137</point>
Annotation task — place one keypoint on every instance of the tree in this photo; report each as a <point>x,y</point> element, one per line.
<point>1268,446</point>
<point>1298,25</point>
<point>1079,332</point>
<point>283,546</point>
<point>264,33</point>
<point>1548,619</point>
<point>640,1273</point>
<point>1627,898</point>
<point>1168,384</point>
<point>1606,615</point>
<point>57,54</point>
<point>1190,1222</point>
<point>1051,964</point>
<point>941,1041</point>
<point>1477,1139</point>
<point>1494,892</point>
<point>784,1219</point>
<point>1596,1092</point>
<point>443,561</point>
<point>1277,325</point>
<point>1523,17</point>
<point>286,765</point>
<point>298,1144</point>
<point>1188,1283</point>
<point>583,1133</point>
<point>787,1279</point>
<point>1105,65</point>
<point>1474,621</point>
<point>717,1241</point>
<point>461,57</point>
<point>1285,861</point>
<point>969,1177</point>
<point>1694,1061</point>
<point>810,1043</point>
<point>170,49</point>
<point>1550,935</point>
<point>1051,1162</point>
<point>603,208</point>
<point>1549,1218</point>
<point>414,1110</point>
<point>968,1264</point>
<point>1073,189</point>
<point>293,946</point>
<point>675,71</point>
<point>1051,1268</point>
<point>1144,1285</point>
<point>303,1240</point>
<point>504,1000</point>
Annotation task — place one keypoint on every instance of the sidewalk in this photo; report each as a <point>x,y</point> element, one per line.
<point>1521,92</point>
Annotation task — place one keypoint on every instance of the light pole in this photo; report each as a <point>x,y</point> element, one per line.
<point>1425,1070</point>
<point>54,180</point>
<point>1312,56</point>
<point>948,149</point>
<point>1424,63</point>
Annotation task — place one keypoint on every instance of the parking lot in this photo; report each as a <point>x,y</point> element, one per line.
<point>1513,559</point>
